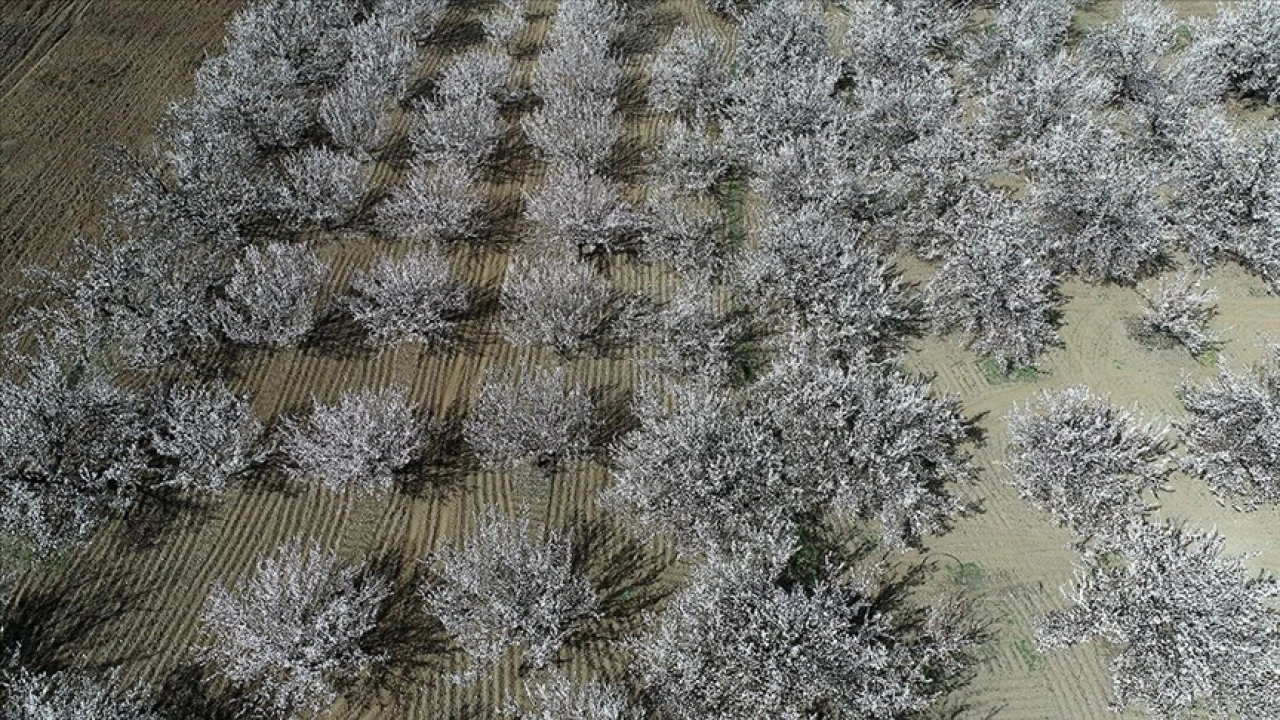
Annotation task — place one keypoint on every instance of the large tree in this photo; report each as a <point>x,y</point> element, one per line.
<point>506,586</point>
<point>290,633</point>
<point>1194,633</point>
<point>1085,461</point>
<point>736,644</point>
<point>804,440</point>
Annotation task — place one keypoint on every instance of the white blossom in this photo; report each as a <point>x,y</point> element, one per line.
<point>529,415</point>
<point>1085,461</point>
<point>358,443</point>
<point>415,297</point>
<point>553,299</point>
<point>1193,633</point>
<point>504,588</point>
<point>1233,434</point>
<point>1181,310</point>
<point>271,297</point>
<point>290,633</point>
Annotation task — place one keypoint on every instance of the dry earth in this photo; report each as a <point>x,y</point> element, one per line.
<point>74,74</point>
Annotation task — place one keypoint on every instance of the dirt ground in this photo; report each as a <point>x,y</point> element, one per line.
<point>74,74</point>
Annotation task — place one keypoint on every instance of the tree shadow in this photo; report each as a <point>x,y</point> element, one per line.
<point>271,477</point>
<point>441,469</point>
<point>162,512</point>
<point>337,333</point>
<point>398,153</point>
<point>642,34</point>
<point>611,416</point>
<point>633,94</point>
<point>629,158</point>
<point>527,46</point>
<point>513,158</point>
<point>406,637</point>
<point>503,220</point>
<point>475,329</point>
<point>631,578</point>
<point>189,692</point>
<point>455,32</point>
<point>52,626</point>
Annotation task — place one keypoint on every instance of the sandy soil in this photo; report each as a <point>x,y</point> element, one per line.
<point>81,73</point>
<point>76,74</point>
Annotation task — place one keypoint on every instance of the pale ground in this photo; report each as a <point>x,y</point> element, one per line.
<point>104,70</point>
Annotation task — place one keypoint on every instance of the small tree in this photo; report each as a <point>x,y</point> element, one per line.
<point>1095,201</point>
<point>690,75</point>
<point>818,268</point>
<point>689,161</point>
<point>1194,633</point>
<point>888,38</point>
<point>473,76</point>
<point>383,50</point>
<point>290,633</point>
<point>1233,434</point>
<point>323,187</point>
<point>68,695</point>
<point>737,644</point>
<point>504,23</point>
<point>580,211</point>
<point>411,298</point>
<point>576,132</point>
<point>809,171</point>
<point>438,203</point>
<point>1128,51</point>
<point>1085,461</point>
<point>695,339</point>
<point>272,294</point>
<point>883,445</point>
<point>415,17</point>
<point>525,415</point>
<point>504,588</point>
<point>357,114</point>
<point>459,132</point>
<point>1181,310</point>
<point>552,299</point>
<point>1226,177</point>
<point>359,443</point>
<point>205,433</point>
<point>786,77</point>
<point>463,120</point>
<point>1245,45</point>
<point>575,62</point>
<point>684,231</point>
<point>147,298</point>
<point>993,287</point>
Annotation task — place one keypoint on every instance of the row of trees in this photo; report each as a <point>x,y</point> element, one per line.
<point>739,640</point>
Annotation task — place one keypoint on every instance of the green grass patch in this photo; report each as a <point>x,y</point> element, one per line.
<point>997,373</point>
<point>733,214</point>
<point>1028,654</point>
<point>1208,358</point>
<point>967,574</point>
